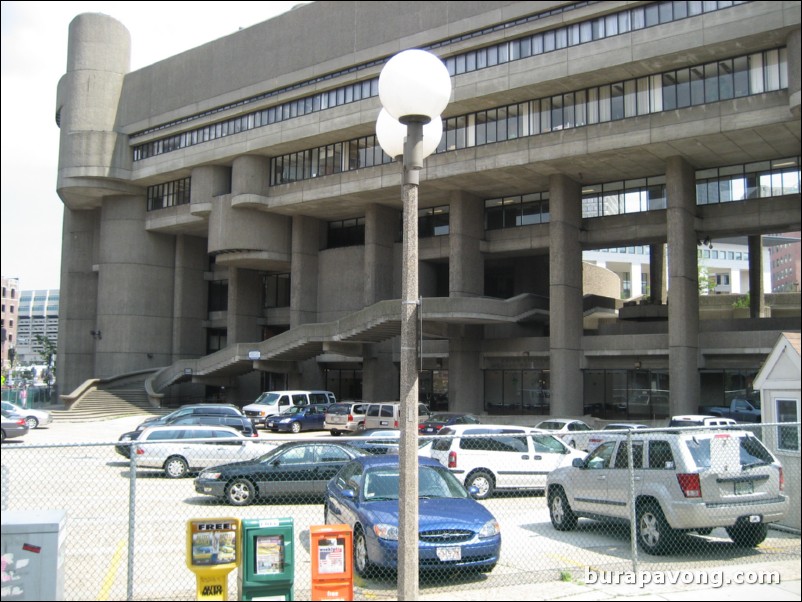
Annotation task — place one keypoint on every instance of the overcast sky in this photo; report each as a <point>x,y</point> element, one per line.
<point>34,57</point>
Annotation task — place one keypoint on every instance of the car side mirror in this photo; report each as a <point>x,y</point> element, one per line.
<point>578,463</point>
<point>349,494</point>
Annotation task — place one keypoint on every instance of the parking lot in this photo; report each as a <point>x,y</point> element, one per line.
<point>78,470</point>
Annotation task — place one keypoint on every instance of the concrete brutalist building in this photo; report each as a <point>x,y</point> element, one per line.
<point>231,224</point>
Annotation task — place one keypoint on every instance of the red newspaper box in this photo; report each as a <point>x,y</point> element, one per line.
<point>332,565</point>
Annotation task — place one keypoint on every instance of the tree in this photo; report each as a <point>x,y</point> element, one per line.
<point>48,354</point>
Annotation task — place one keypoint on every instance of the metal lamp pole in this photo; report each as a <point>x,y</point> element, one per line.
<point>414,88</point>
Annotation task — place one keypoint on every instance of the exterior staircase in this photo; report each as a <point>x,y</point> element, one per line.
<point>107,401</point>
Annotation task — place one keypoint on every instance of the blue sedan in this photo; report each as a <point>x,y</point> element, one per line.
<point>455,531</point>
<point>298,418</point>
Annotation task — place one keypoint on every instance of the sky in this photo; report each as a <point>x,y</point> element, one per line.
<point>34,57</point>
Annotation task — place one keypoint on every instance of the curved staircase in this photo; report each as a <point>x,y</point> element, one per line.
<point>110,400</point>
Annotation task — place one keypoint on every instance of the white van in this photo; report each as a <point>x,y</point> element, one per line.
<point>387,415</point>
<point>271,403</point>
<point>494,457</point>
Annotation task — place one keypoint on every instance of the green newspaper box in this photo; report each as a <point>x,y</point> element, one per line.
<point>267,567</point>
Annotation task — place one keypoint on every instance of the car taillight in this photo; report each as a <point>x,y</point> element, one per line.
<point>452,459</point>
<point>396,424</point>
<point>782,480</point>
<point>21,422</point>
<point>690,484</point>
<point>350,418</point>
<point>139,451</point>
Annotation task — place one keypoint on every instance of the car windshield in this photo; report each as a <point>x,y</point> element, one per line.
<point>291,411</point>
<point>551,426</point>
<point>440,418</point>
<point>381,484</point>
<point>267,399</point>
<point>339,408</point>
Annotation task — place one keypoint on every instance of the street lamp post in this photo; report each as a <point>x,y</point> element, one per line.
<point>414,89</point>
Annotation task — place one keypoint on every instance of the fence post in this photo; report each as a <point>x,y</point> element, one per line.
<point>129,586</point>
<point>633,510</point>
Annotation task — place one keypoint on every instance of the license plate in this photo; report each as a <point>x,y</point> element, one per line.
<point>744,487</point>
<point>449,554</point>
<point>429,430</point>
<point>270,425</point>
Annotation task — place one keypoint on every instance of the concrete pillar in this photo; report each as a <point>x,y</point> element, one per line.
<point>794,47</point>
<point>465,375</point>
<point>304,271</point>
<point>244,306</point>
<point>209,181</point>
<point>735,281</point>
<point>757,301</point>
<point>565,290</point>
<point>78,299</point>
<point>381,226</point>
<point>683,296</point>
<point>657,274</point>
<point>635,275</point>
<point>466,267</point>
<point>190,297</point>
<point>135,290</point>
<point>379,373</point>
<point>250,175</point>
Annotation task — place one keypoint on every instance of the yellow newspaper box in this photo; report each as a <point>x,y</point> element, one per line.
<point>212,553</point>
<point>332,567</point>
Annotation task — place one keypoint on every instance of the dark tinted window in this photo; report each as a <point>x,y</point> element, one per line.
<point>386,411</point>
<point>660,455</point>
<point>165,435</point>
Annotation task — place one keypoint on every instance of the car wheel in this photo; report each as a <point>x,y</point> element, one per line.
<point>240,492</point>
<point>483,482</point>
<point>32,422</point>
<point>748,535</point>
<point>655,535</point>
<point>295,427</point>
<point>361,563</point>
<point>562,517</point>
<point>335,433</point>
<point>3,437</point>
<point>360,426</point>
<point>176,467</point>
<point>707,531</point>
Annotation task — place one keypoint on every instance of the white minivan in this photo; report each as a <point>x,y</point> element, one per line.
<point>500,457</point>
<point>387,415</point>
<point>271,403</point>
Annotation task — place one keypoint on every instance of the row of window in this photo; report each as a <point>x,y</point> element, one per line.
<point>726,255</point>
<point>764,71</point>
<point>628,20</point>
<point>169,194</point>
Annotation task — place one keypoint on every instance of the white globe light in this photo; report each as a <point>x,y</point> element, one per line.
<point>391,133</point>
<point>414,82</point>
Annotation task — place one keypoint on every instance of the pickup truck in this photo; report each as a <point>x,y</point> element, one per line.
<point>740,409</point>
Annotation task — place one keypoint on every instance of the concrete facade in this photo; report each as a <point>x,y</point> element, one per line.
<point>551,101</point>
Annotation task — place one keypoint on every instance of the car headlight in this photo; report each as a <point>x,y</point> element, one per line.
<point>286,420</point>
<point>212,476</point>
<point>383,531</point>
<point>489,529</point>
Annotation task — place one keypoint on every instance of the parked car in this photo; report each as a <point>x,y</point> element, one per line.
<point>684,482</point>
<point>596,439</point>
<point>700,420</point>
<point>433,424</point>
<point>181,449</point>
<point>573,432</point>
<point>455,531</point>
<point>387,414</point>
<point>291,469</point>
<point>33,418</point>
<point>384,441</point>
<point>14,425</point>
<point>495,457</point>
<point>241,423</point>
<point>740,410</point>
<point>345,417</point>
<point>204,409</point>
<point>298,418</point>
<point>271,403</point>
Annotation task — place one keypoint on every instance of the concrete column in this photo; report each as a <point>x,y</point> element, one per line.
<point>135,290</point>
<point>465,376</point>
<point>244,306</point>
<point>657,274</point>
<point>635,276</point>
<point>757,301</point>
<point>381,226</point>
<point>379,373</point>
<point>683,295</point>
<point>209,181</point>
<point>78,299</point>
<point>565,290</point>
<point>250,175</point>
<point>304,271</point>
<point>794,47</point>
<point>190,297</point>
<point>466,266</point>
<point>735,281</point>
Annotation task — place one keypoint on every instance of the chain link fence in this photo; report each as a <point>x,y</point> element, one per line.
<point>702,499</point>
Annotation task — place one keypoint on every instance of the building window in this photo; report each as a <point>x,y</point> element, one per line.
<point>516,211</point>
<point>517,391</point>
<point>275,290</point>
<point>169,194</point>
<point>788,436</point>
<point>216,339</point>
<point>433,222</point>
<point>346,233</point>
<point>218,295</point>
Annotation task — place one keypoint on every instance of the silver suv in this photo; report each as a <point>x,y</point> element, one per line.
<point>684,481</point>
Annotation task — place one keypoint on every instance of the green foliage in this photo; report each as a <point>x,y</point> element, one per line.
<point>742,301</point>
